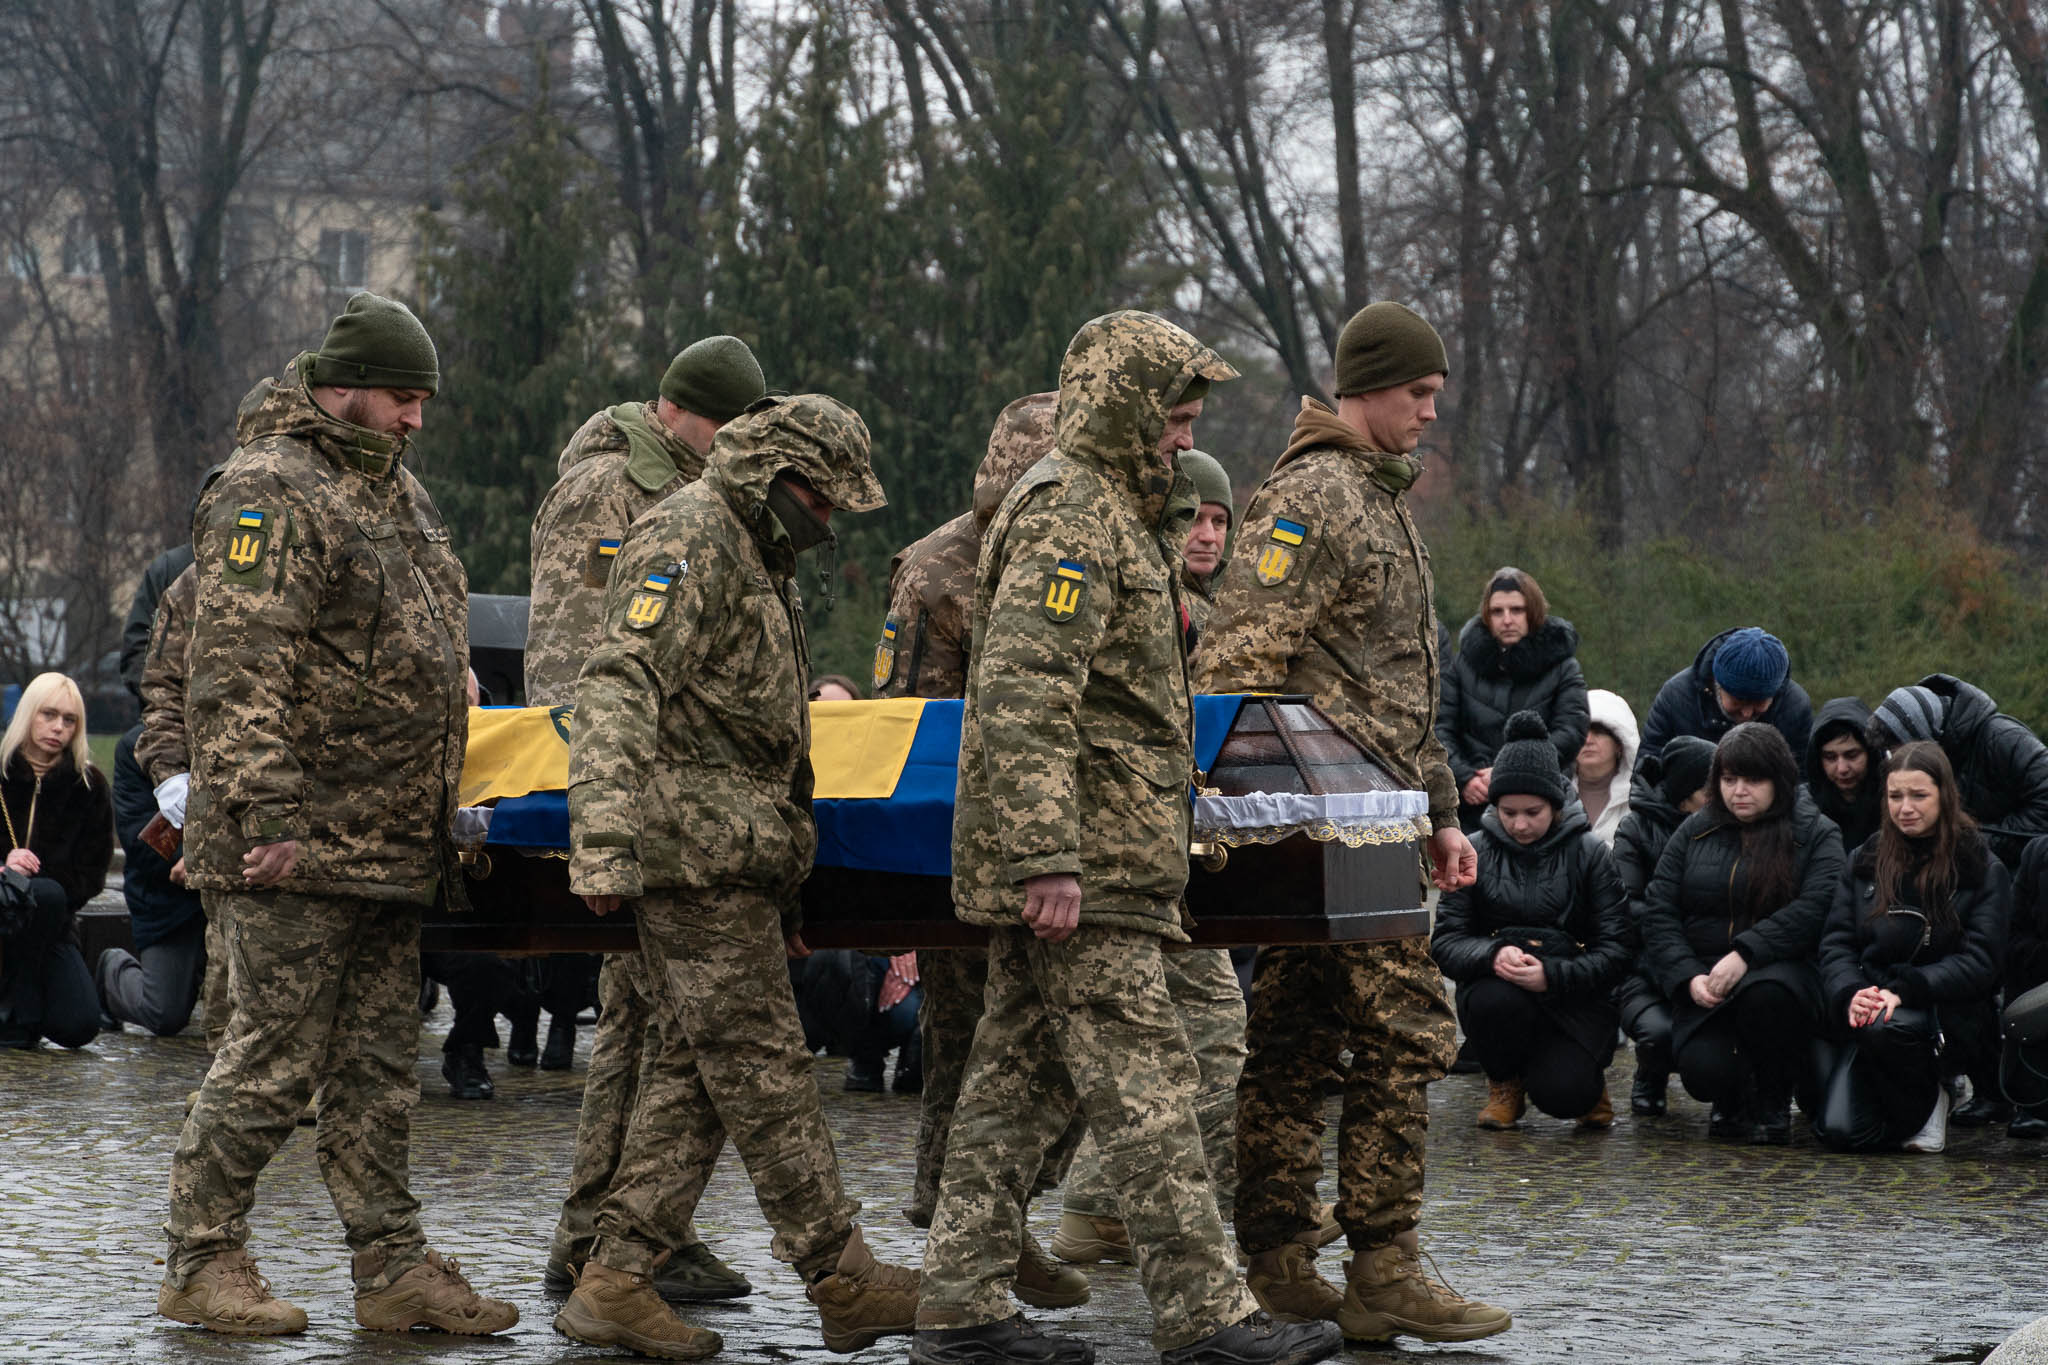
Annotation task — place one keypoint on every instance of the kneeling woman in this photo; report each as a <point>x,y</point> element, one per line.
<point>1731,922</point>
<point>1911,948</point>
<point>1537,943</point>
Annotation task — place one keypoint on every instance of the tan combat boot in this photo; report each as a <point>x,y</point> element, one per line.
<point>1388,1295</point>
<point>863,1299</point>
<point>431,1294</point>
<point>227,1295</point>
<point>617,1308</point>
<point>1285,1283</point>
<point>1505,1102</point>
<point>1601,1115</point>
<point>1084,1240</point>
<point>1043,1282</point>
<point>1328,1229</point>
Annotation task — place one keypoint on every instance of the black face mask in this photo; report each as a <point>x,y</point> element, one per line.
<point>799,522</point>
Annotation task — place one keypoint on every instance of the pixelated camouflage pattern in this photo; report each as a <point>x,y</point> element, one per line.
<point>595,498</point>
<point>325,992</point>
<point>733,1065</point>
<point>162,749</point>
<point>1081,723</point>
<point>327,698</point>
<point>1353,622</point>
<point>1086,1022</point>
<point>689,760</point>
<point>931,582</point>
<point>1210,1006</point>
<point>1384,1002</point>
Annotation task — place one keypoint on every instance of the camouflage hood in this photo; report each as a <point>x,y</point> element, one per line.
<point>285,407</point>
<point>1021,438</point>
<point>1121,374</point>
<point>819,437</point>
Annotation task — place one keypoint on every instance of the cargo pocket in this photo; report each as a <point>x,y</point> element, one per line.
<point>1135,803</point>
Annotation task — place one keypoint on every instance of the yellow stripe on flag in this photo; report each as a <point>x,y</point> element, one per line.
<point>858,748</point>
<point>512,751</point>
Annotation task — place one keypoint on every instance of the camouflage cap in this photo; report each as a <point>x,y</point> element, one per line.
<point>1022,436</point>
<point>817,436</point>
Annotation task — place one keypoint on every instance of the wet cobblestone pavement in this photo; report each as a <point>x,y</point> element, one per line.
<point>1645,1243</point>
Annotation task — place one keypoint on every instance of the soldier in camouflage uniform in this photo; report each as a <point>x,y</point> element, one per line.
<point>327,716</point>
<point>1070,843</point>
<point>621,463</point>
<point>689,794</point>
<point>1329,594</point>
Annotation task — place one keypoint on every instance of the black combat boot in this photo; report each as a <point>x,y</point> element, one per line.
<point>1013,1341</point>
<point>463,1066</point>
<point>523,1047</point>
<point>1260,1340</point>
<point>1653,1078</point>
<point>561,1048</point>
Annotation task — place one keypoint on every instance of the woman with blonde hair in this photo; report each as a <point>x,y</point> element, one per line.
<point>58,817</point>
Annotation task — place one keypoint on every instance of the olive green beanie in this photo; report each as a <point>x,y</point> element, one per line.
<point>1386,344</point>
<point>1212,482</point>
<point>716,378</point>
<point>376,343</point>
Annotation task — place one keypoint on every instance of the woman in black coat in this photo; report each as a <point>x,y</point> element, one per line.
<point>59,825</point>
<point>1911,951</point>
<point>1537,943</point>
<point>1731,922</point>
<point>1512,656</point>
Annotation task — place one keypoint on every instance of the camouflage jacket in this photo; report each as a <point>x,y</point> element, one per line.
<point>689,759</point>
<point>619,464</point>
<point>162,750</point>
<point>923,649</point>
<point>326,700</point>
<point>1076,746</point>
<point>1329,593</point>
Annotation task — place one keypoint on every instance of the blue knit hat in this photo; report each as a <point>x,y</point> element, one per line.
<point>1752,664</point>
<point>1910,713</point>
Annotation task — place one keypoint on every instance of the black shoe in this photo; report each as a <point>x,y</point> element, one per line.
<point>1259,1340</point>
<point>909,1080</point>
<point>1981,1112</point>
<point>463,1067</point>
<point>523,1047</point>
<point>1467,1062</point>
<point>1013,1341</point>
<point>864,1076</point>
<point>1728,1123</point>
<point>430,995</point>
<point>1653,1078</point>
<point>561,1048</point>
<point>2025,1127</point>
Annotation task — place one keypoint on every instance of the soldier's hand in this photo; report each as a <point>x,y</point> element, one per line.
<point>178,872</point>
<point>1452,861</point>
<point>269,864</point>
<point>1052,905</point>
<point>602,905</point>
<point>793,946</point>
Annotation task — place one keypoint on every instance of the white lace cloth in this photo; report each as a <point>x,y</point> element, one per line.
<point>1351,818</point>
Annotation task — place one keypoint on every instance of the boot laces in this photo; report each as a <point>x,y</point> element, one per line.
<point>449,1269</point>
<point>1431,1281</point>
<point>241,1274</point>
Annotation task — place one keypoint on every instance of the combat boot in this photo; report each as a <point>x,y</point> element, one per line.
<point>1653,1078</point>
<point>616,1308</point>
<point>1505,1102</point>
<point>1388,1295</point>
<point>1258,1340</point>
<point>863,1299</point>
<point>1043,1282</point>
<point>1083,1239</point>
<point>1285,1283</point>
<point>1601,1115</point>
<point>1013,1341</point>
<point>431,1294</point>
<point>227,1295</point>
<point>694,1274</point>
<point>1328,1229</point>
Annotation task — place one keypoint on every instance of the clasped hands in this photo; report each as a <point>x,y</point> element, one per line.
<point>1713,988</point>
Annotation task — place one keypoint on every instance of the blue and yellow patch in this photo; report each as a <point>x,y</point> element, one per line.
<point>647,606</point>
<point>1066,589</point>
<point>597,565</point>
<point>248,542</point>
<point>885,656</point>
<point>1289,532</point>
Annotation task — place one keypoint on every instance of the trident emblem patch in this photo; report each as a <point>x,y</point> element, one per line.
<point>1066,588</point>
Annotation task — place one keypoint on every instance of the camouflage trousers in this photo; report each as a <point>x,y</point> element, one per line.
<point>320,986</point>
<point>729,1062</point>
<point>1385,1003</point>
<point>954,981</point>
<point>214,992</point>
<point>1210,1004</point>
<point>624,1049</point>
<point>1087,1022</point>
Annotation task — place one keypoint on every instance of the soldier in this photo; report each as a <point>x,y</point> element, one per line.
<point>1208,543</point>
<point>327,715</point>
<point>689,794</point>
<point>618,465</point>
<point>1330,596</point>
<point>1070,842</point>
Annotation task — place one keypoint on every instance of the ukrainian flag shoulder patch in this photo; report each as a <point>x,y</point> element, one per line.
<point>1066,589</point>
<point>248,542</point>
<point>1287,532</point>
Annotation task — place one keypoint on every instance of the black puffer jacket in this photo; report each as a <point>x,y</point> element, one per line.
<point>1857,819</point>
<point>1564,881</point>
<point>1901,951</point>
<point>1639,840</point>
<point>2001,768</point>
<point>74,824</point>
<point>1485,684</point>
<point>1689,910</point>
<point>2026,944</point>
<point>1686,705</point>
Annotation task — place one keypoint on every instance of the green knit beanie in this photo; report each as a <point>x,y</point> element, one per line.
<point>716,378</point>
<point>1386,344</point>
<point>1212,482</point>
<point>376,343</point>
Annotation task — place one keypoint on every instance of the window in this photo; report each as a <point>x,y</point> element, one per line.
<point>22,262</point>
<point>345,258</point>
<point>81,248</point>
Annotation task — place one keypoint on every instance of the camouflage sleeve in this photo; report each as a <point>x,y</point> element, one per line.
<point>161,750</point>
<point>1280,581</point>
<point>261,572</point>
<point>576,539</point>
<point>923,648</point>
<point>1046,618</point>
<point>901,640</point>
<point>663,599</point>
